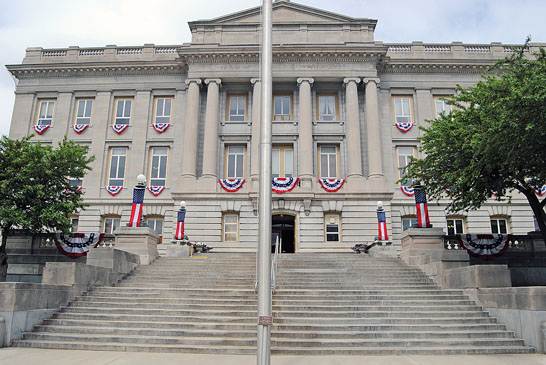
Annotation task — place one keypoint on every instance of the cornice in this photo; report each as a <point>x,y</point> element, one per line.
<point>80,70</point>
<point>461,67</point>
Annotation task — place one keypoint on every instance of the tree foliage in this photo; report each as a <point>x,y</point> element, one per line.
<point>494,141</point>
<point>34,185</point>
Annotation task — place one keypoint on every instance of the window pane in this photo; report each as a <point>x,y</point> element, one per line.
<point>333,171</point>
<point>167,107</point>
<point>119,110</point>
<point>494,226</point>
<point>459,226</point>
<point>288,163</point>
<point>163,167</point>
<point>239,165</point>
<point>275,163</point>
<point>323,165</point>
<point>231,166</point>
<point>114,167</point>
<point>230,218</point>
<point>278,105</point>
<point>121,167</point>
<point>127,111</point>
<point>327,149</point>
<point>159,107</point>
<point>502,226</point>
<point>108,225</point>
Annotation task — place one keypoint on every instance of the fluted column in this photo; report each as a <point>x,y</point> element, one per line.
<point>189,157</point>
<point>255,142</point>
<point>354,152</point>
<point>305,153</point>
<point>210,147</point>
<point>375,163</point>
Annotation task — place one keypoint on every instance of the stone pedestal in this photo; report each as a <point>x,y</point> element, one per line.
<point>141,241</point>
<point>418,241</point>
<point>176,250</point>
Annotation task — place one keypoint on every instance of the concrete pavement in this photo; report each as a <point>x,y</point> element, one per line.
<point>26,356</point>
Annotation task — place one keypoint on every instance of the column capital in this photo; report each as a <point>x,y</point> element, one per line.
<point>189,81</point>
<point>300,80</point>
<point>255,80</point>
<point>217,81</point>
<point>351,79</point>
<point>368,79</point>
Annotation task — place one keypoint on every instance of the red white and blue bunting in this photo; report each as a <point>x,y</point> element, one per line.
<point>331,185</point>
<point>485,246</point>
<point>79,128</point>
<point>404,126</point>
<point>407,190</point>
<point>136,207</point>
<point>179,234</point>
<point>284,184</point>
<point>78,244</point>
<point>113,190</point>
<point>382,226</point>
<point>78,188</point>
<point>156,190</point>
<point>119,128</point>
<point>540,191</point>
<point>231,185</point>
<point>41,128</point>
<point>160,127</point>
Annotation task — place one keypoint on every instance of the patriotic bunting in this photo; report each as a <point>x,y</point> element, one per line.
<point>79,128</point>
<point>331,185</point>
<point>284,184</point>
<point>407,190</point>
<point>78,244</point>
<point>179,234</point>
<point>485,246</point>
<point>404,126</point>
<point>79,188</point>
<point>41,128</point>
<point>156,190</point>
<point>160,127</point>
<point>136,209</point>
<point>540,191</point>
<point>231,185</point>
<point>382,225</point>
<point>113,190</point>
<point>119,128</point>
<point>423,220</point>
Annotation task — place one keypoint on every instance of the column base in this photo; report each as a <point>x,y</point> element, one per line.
<point>187,184</point>
<point>356,184</point>
<point>207,184</point>
<point>377,183</point>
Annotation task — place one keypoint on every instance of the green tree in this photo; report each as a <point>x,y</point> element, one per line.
<point>34,186</point>
<point>494,141</point>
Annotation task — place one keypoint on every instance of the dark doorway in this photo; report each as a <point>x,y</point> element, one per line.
<point>283,227</point>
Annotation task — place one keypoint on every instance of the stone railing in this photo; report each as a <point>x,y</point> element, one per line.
<point>516,243</point>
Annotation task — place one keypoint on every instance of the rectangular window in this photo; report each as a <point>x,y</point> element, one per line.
<point>163,110</point>
<point>158,166</point>
<point>83,111</point>
<point>155,223</point>
<point>236,108</point>
<point>402,109</point>
<point>327,107</point>
<point>118,158</point>
<point>111,224</point>
<point>455,226</point>
<point>75,182</point>
<point>74,221</point>
<point>282,161</point>
<point>405,155</point>
<point>282,107</point>
<point>235,162</point>
<point>231,227</point>
<point>332,227</point>
<point>123,111</point>
<point>499,226</point>
<point>328,157</point>
<point>409,222</point>
<point>441,106</point>
<point>45,112</point>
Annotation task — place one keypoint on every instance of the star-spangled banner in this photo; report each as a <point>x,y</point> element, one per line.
<point>404,126</point>
<point>231,185</point>
<point>407,190</point>
<point>382,225</point>
<point>79,128</point>
<point>423,220</point>
<point>156,190</point>
<point>78,244</point>
<point>284,184</point>
<point>331,185</point>
<point>41,128</point>
<point>113,190</point>
<point>136,208</point>
<point>485,246</point>
<point>160,127</point>
<point>179,234</point>
<point>119,128</point>
<point>540,191</point>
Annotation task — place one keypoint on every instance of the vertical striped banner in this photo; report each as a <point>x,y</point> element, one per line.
<point>136,209</point>
<point>179,234</point>
<point>423,220</point>
<point>382,225</point>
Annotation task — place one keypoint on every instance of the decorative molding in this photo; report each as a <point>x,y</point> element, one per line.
<point>255,80</point>
<point>189,81</point>
<point>459,68</point>
<point>374,79</point>
<point>347,80</point>
<point>305,79</point>
<point>217,81</point>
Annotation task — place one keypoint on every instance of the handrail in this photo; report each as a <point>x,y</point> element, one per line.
<point>274,265</point>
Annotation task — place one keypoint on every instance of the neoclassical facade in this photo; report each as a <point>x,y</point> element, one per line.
<point>345,106</point>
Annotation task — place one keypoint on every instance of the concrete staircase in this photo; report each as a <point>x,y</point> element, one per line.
<point>324,304</point>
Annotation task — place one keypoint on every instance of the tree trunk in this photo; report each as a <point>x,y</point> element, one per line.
<point>540,215</point>
<point>4,257</point>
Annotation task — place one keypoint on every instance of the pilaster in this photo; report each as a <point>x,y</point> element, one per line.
<point>189,156</point>
<point>210,149</point>
<point>255,141</point>
<point>305,153</point>
<point>375,161</point>
<point>354,151</point>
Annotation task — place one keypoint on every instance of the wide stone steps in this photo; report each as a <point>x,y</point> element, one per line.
<point>329,304</point>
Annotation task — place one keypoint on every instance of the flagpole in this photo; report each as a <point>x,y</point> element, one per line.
<point>265,318</point>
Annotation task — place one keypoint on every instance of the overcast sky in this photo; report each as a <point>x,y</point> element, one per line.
<point>63,23</point>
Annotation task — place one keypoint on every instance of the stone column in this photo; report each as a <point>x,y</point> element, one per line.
<point>255,142</point>
<point>305,153</point>
<point>375,163</point>
<point>210,148</point>
<point>354,152</point>
<point>189,156</point>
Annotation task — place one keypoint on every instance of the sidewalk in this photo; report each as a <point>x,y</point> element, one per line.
<point>26,356</point>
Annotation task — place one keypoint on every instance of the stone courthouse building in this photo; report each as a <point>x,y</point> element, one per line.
<point>345,106</point>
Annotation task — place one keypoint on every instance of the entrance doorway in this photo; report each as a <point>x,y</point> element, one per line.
<point>282,226</point>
